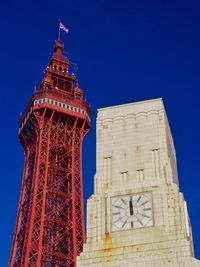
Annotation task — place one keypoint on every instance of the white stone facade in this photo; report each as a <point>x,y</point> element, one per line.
<point>136,156</point>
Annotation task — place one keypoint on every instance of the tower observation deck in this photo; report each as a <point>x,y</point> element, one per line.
<point>49,228</point>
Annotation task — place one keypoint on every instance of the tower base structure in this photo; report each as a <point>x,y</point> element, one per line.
<point>146,248</point>
<point>137,216</point>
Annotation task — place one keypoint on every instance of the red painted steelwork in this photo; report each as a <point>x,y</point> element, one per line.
<point>49,229</point>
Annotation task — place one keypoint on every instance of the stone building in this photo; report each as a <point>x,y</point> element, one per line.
<point>137,216</point>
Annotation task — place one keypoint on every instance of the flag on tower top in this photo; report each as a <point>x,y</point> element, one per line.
<point>62,27</point>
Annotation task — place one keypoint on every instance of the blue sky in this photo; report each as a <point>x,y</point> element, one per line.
<point>126,52</point>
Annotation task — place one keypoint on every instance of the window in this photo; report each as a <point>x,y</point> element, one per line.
<point>155,162</point>
<point>123,177</point>
<point>140,174</point>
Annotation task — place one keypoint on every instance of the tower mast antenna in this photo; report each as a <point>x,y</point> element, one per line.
<point>59,30</point>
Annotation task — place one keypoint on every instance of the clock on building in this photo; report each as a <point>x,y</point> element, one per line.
<point>131,211</point>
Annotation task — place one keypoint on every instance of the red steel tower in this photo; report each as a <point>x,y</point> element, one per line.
<point>49,228</point>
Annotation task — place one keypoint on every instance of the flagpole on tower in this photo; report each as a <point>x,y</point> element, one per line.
<point>59,31</point>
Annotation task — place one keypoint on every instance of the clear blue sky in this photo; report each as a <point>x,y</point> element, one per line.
<point>126,51</point>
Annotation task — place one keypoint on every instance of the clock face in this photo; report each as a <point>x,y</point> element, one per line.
<point>131,211</point>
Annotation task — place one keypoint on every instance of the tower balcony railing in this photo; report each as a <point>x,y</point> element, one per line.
<point>54,93</point>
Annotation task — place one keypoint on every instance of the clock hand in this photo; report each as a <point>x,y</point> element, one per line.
<point>131,207</point>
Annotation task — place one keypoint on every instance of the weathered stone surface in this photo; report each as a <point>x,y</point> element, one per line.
<point>136,156</point>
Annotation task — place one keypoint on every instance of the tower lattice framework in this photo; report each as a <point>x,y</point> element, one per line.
<point>49,228</point>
